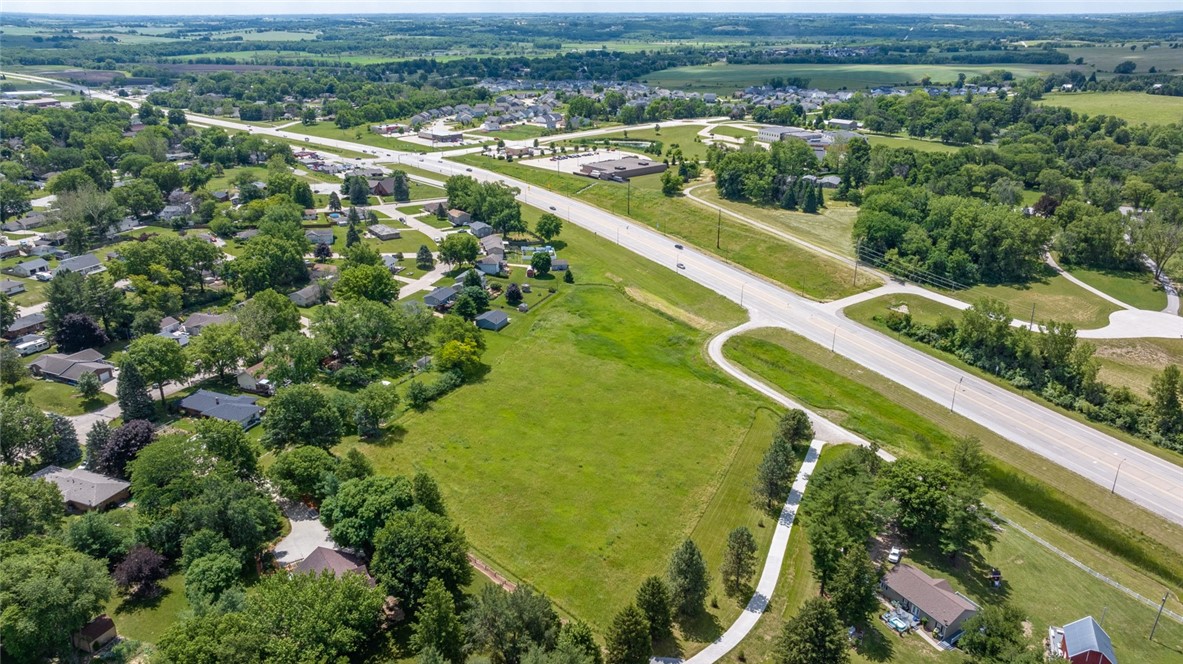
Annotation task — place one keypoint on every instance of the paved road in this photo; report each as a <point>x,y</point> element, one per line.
<point>1144,478</point>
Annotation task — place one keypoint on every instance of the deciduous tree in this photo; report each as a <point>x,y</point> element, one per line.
<point>361,506</point>
<point>301,415</point>
<point>814,636</point>
<point>160,361</point>
<point>28,507</point>
<point>414,546</point>
<point>436,624</point>
<point>219,349</point>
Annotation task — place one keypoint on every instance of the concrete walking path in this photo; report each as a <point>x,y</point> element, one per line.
<point>825,432</point>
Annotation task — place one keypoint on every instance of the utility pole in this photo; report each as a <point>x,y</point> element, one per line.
<point>628,205</point>
<point>1115,476</point>
<point>958,387</point>
<point>719,228</point>
<point>1159,615</point>
<point>858,248</point>
<point>1031,325</point>
<point>834,340</point>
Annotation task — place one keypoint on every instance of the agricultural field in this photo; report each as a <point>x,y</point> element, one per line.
<point>727,78</point>
<point>263,55</point>
<point>1134,107</point>
<point>1106,57</point>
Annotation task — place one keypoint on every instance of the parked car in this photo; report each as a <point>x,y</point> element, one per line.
<point>894,555</point>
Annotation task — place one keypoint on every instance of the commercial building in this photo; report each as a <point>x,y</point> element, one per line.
<point>622,169</point>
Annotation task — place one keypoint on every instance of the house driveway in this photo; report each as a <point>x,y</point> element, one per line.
<point>307,534</point>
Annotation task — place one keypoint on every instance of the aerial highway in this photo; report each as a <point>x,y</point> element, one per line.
<point>1144,478</point>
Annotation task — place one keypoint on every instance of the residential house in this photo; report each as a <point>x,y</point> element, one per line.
<point>493,245</point>
<point>848,125</point>
<point>54,239</point>
<point>171,212</point>
<point>243,236</point>
<point>384,232</point>
<point>1081,642</point>
<point>307,296</point>
<point>829,181</point>
<point>27,222</point>
<point>240,409</point>
<point>320,235</point>
<point>928,599</point>
<point>9,250</point>
<point>221,196</point>
<point>559,265</point>
<point>322,271</point>
<point>252,379</point>
<point>493,320</point>
<point>179,336</point>
<point>310,214</point>
<point>391,263</point>
<point>86,264</point>
<point>11,287</point>
<point>46,251</point>
<point>29,268</point>
<point>95,634</point>
<point>70,368</point>
<point>381,186</point>
<point>440,297</point>
<point>433,208</point>
<point>83,490</point>
<point>195,323</point>
<point>517,152</point>
<point>464,275</point>
<point>459,217</point>
<point>491,265</point>
<point>169,324</point>
<point>480,229</point>
<point>339,563</point>
<point>30,324</point>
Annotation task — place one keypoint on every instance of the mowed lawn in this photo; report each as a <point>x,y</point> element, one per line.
<point>727,78</point>
<point>831,228</point>
<point>1136,107</point>
<point>1135,288</point>
<point>1050,297</point>
<point>917,144</point>
<point>684,136</point>
<point>592,447</point>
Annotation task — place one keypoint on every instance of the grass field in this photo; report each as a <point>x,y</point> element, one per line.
<point>545,473</point>
<point>413,170</point>
<point>906,423</point>
<point>1133,363</point>
<point>917,144</point>
<point>513,133</point>
<point>147,620</point>
<point>731,130</point>
<point>727,78</point>
<point>685,136</point>
<point>1137,289</point>
<point>1136,107</point>
<point>1053,298</point>
<point>801,270</point>
<point>363,135</point>
<point>830,229</point>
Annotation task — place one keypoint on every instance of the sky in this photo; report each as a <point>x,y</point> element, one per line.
<point>276,7</point>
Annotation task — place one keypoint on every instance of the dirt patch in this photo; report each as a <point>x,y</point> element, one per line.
<point>1134,352</point>
<point>654,302</point>
<point>1028,629</point>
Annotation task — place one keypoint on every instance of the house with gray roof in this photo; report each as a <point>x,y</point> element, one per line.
<point>11,287</point>
<point>493,245</point>
<point>320,235</point>
<point>307,296</point>
<point>83,490</point>
<point>195,323</point>
<point>86,264</point>
<point>70,368</point>
<point>480,229</point>
<point>9,250</point>
<point>384,232</point>
<point>25,325</point>
<point>240,409</point>
<point>926,597</point>
<point>440,297</point>
<point>30,267</point>
<point>493,320</point>
<point>490,264</point>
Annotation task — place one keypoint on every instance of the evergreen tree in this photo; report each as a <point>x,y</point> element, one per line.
<point>402,187</point>
<point>689,579</point>
<point>653,599</point>
<point>1165,408</point>
<point>775,474</point>
<point>352,237</point>
<point>628,638</point>
<point>852,590</point>
<point>334,202</point>
<point>814,636</point>
<point>64,450</point>
<point>423,258</point>
<point>739,561</point>
<point>132,392</point>
<point>436,624</point>
<point>96,439</point>
<point>568,276</point>
<point>809,202</point>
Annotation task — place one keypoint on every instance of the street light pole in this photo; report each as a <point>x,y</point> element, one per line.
<point>1115,476</point>
<point>958,387</point>
<point>741,287</point>
<point>834,340</point>
<point>1159,615</point>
